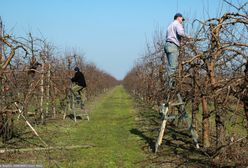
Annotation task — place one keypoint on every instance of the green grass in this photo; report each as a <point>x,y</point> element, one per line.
<point>118,128</point>
<point>108,130</point>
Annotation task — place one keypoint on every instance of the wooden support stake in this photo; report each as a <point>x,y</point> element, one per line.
<point>27,122</point>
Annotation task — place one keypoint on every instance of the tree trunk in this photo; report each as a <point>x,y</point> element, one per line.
<point>42,95</point>
<point>219,122</point>
<point>195,99</point>
<point>245,100</point>
<point>205,123</point>
<point>1,125</point>
<point>1,112</point>
<point>1,42</point>
<point>48,88</point>
<point>245,96</point>
<point>216,52</point>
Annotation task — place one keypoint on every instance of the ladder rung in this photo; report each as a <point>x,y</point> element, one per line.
<point>177,104</point>
<point>170,117</point>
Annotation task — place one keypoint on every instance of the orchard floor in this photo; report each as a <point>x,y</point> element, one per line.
<point>121,133</point>
<point>107,139</point>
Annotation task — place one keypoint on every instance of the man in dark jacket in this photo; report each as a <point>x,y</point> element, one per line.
<point>79,84</point>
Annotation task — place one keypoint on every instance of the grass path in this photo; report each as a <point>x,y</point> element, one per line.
<point>109,131</point>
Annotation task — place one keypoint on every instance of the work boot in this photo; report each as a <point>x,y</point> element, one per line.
<point>172,83</point>
<point>82,105</point>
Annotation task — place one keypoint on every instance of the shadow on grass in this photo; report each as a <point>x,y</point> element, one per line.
<point>147,139</point>
<point>177,148</point>
<point>71,116</point>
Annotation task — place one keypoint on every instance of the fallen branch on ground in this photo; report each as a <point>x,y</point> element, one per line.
<point>48,148</point>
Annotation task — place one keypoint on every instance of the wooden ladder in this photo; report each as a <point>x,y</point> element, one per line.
<point>74,106</point>
<point>164,111</point>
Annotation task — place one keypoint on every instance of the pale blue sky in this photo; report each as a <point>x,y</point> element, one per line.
<point>111,33</point>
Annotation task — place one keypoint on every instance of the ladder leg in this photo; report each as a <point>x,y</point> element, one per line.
<point>73,108</point>
<point>162,129</point>
<point>192,131</point>
<point>161,134</point>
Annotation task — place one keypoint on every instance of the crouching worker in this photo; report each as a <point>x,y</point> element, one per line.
<point>79,84</point>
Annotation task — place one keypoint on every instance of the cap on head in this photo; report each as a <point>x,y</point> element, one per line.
<point>76,69</point>
<point>178,15</point>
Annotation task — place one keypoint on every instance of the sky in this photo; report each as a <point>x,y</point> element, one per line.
<point>111,33</point>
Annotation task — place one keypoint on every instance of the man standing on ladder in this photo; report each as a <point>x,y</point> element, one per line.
<point>174,34</point>
<point>79,84</point>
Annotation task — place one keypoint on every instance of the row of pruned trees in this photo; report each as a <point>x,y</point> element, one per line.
<point>212,76</point>
<point>34,77</point>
